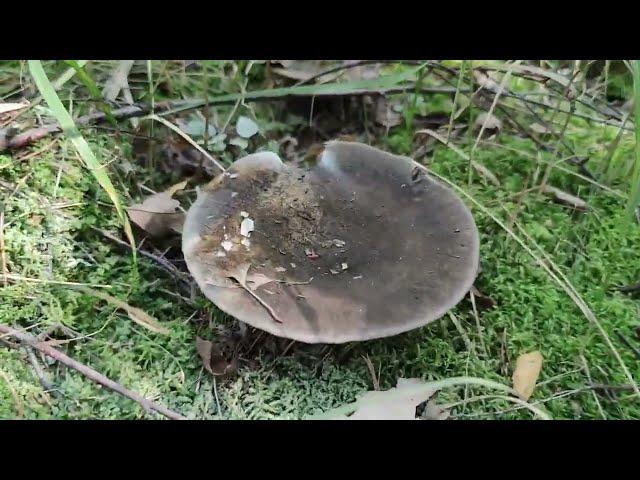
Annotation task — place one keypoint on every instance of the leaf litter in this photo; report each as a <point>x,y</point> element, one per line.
<point>157,214</point>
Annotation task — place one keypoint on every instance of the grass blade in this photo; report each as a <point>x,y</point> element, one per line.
<point>634,196</point>
<point>376,84</point>
<point>86,154</point>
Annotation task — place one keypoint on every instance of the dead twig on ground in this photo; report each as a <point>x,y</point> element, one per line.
<point>29,340</point>
<point>3,256</point>
<point>627,343</point>
<point>161,261</point>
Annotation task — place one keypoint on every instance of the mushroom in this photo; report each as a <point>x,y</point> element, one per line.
<point>379,247</point>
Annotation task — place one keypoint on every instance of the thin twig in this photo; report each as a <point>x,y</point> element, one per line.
<point>626,342</point>
<point>88,372</point>
<point>3,256</point>
<point>595,397</point>
<point>162,262</point>
<point>42,378</point>
<point>372,371</point>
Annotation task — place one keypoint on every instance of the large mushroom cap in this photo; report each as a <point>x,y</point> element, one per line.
<point>362,245</point>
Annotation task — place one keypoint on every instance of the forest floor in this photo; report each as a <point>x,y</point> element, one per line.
<point>552,196</point>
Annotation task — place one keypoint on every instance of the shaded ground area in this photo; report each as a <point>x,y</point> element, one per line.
<point>59,227</point>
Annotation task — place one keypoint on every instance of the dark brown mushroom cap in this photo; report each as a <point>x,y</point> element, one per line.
<point>362,245</point>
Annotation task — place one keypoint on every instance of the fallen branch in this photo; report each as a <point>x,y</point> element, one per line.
<point>88,372</point>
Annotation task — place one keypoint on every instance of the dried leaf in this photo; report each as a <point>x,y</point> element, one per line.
<point>482,300</point>
<point>239,273</point>
<point>246,128</point>
<point>386,115</point>
<point>564,197</point>
<point>433,411</point>
<point>491,122</point>
<point>139,316</point>
<point>256,280</point>
<point>157,214</point>
<point>525,376</point>
<point>302,70</point>
<point>10,107</point>
<point>540,129</point>
<point>485,81</point>
<point>398,403</point>
<point>118,80</point>
<point>213,358</point>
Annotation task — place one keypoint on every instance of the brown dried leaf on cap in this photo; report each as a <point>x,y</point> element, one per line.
<point>157,214</point>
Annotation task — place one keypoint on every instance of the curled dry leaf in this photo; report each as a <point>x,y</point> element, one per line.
<point>157,214</point>
<point>525,376</point>
<point>566,198</point>
<point>482,300</point>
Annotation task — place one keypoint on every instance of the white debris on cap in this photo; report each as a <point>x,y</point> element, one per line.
<point>246,242</point>
<point>246,227</point>
<point>344,266</point>
<point>233,194</point>
<point>220,253</point>
<point>227,245</point>
<point>281,269</point>
<point>244,214</point>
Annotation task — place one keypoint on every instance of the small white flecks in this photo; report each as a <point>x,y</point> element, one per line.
<point>339,243</point>
<point>357,277</point>
<point>246,227</point>
<point>244,214</point>
<point>281,269</point>
<point>227,245</point>
<point>233,194</point>
<point>268,291</point>
<point>335,272</point>
<point>220,253</point>
<point>233,175</point>
<point>293,265</point>
<point>344,265</point>
<point>246,242</point>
